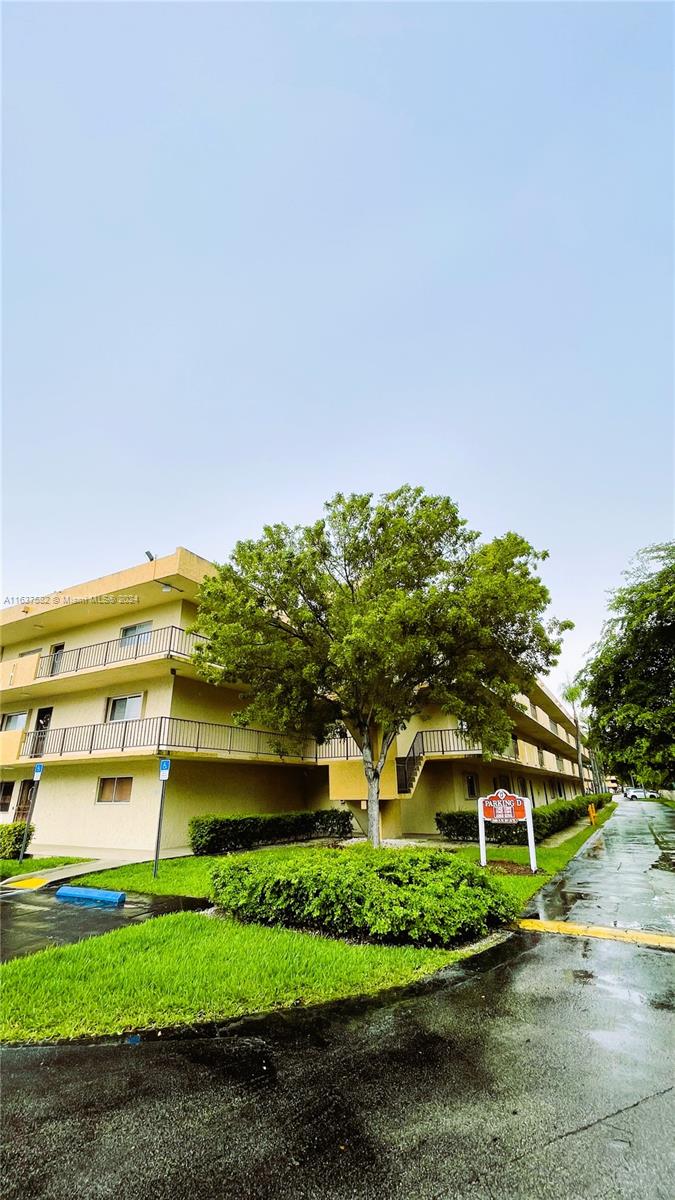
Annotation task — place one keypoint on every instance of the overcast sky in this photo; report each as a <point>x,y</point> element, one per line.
<point>256,254</point>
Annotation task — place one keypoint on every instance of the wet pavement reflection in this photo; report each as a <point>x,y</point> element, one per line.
<point>615,882</point>
<point>36,920</point>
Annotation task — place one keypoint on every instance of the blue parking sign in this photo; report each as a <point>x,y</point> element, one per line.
<point>37,772</point>
<point>164,768</point>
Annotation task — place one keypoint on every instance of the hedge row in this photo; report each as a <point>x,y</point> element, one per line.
<point>463,826</point>
<point>427,898</point>
<point>11,837</point>
<point>217,835</point>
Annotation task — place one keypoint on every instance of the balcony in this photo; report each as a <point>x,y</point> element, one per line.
<point>156,735</point>
<point>169,639</point>
<point>446,743</point>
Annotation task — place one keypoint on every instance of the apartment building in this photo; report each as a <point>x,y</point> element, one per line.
<point>97,684</point>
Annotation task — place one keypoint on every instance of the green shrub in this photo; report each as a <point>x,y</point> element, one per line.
<point>428,898</point>
<point>218,835</point>
<point>11,837</point>
<point>547,819</point>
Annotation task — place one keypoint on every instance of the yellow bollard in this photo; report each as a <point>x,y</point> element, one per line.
<point>591,813</point>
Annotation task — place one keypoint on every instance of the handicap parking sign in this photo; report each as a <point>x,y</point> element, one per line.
<point>37,772</point>
<point>164,768</point>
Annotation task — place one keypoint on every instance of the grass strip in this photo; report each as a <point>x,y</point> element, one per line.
<point>12,866</point>
<point>187,968</point>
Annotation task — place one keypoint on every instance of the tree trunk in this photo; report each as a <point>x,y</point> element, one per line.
<point>580,761</point>
<point>373,807</point>
<point>372,773</point>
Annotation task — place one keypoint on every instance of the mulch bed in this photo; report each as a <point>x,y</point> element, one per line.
<point>504,867</point>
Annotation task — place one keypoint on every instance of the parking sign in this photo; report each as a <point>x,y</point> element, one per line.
<point>164,768</point>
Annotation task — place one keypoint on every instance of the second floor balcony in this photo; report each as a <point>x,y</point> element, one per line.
<point>157,735</point>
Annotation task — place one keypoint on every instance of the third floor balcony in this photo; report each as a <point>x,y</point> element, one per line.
<point>45,671</point>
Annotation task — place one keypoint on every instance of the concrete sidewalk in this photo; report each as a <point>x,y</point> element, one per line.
<point>101,860</point>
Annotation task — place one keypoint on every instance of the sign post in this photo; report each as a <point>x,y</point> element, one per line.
<point>505,808</point>
<point>164,768</point>
<point>37,776</point>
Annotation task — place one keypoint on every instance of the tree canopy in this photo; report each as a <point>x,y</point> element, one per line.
<point>358,621</point>
<point>629,680</point>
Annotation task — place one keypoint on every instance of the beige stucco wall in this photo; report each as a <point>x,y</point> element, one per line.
<point>68,815</point>
<point>227,788</point>
<point>194,700</point>
<point>89,707</point>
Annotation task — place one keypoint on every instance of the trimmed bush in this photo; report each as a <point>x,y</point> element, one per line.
<point>11,837</point>
<point>548,819</point>
<point>218,835</point>
<point>427,898</point>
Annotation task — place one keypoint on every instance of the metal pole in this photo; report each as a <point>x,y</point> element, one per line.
<point>530,835</point>
<point>29,818</point>
<point>481,834</point>
<point>159,830</point>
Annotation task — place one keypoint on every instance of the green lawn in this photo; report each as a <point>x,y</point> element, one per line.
<point>176,877</point>
<point>186,968</point>
<point>12,866</point>
<point>550,859</point>
<point>192,876</point>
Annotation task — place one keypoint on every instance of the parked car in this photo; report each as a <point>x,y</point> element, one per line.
<point>639,793</point>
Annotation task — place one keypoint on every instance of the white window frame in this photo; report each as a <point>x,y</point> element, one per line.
<point>5,727</point>
<point>110,720</point>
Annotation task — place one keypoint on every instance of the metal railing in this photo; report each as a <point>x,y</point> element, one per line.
<point>177,733</point>
<point>431,741</point>
<point>169,639</point>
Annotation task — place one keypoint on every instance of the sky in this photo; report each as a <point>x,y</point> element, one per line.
<point>255,254</point>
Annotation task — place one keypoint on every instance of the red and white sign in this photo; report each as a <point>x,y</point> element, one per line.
<point>505,808</point>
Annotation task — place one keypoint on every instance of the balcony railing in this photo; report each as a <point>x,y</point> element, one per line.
<point>431,741</point>
<point>175,733</point>
<point>170,639</point>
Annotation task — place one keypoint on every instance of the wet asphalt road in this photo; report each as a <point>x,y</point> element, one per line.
<point>543,1068</point>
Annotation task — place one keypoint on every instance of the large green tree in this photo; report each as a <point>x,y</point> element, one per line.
<point>629,680</point>
<point>380,607</point>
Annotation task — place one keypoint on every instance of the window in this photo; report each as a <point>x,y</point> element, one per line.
<point>471,783</point>
<point>553,725</point>
<point>521,783</point>
<point>514,746</point>
<point>502,781</point>
<point>114,791</point>
<point>559,762</point>
<point>6,790</point>
<point>13,720</point>
<point>124,708</point>
<point>533,711</point>
<point>27,653</point>
<point>540,756</point>
<point>136,633</point>
<point>134,640</point>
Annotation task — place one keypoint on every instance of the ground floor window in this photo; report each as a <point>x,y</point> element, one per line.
<point>522,785</point>
<point>114,791</point>
<point>6,790</point>
<point>471,784</point>
<point>502,781</point>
